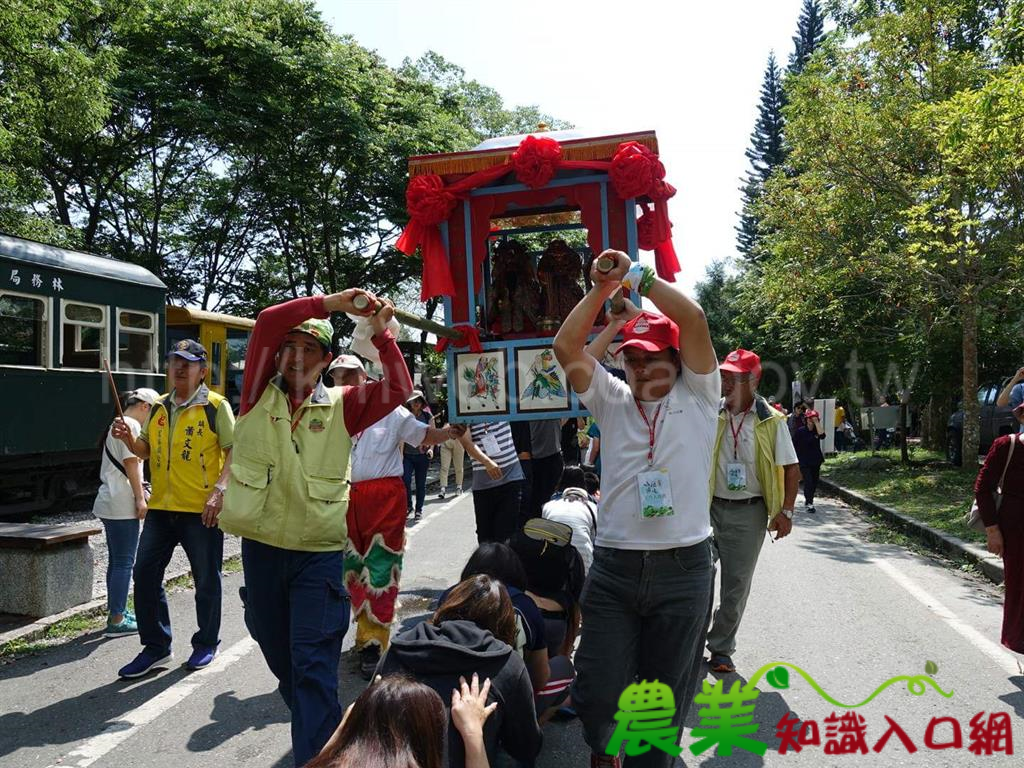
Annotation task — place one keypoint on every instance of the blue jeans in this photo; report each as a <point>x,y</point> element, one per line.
<point>122,541</point>
<point>416,463</point>
<point>298,612</point>
<point>161,533</point>
<point>645,616</point>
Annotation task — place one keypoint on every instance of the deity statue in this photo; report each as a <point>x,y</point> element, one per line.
<point>513,298</point>
<point>560,271</point>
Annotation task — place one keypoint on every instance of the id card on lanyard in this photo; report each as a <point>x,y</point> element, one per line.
<point>653,486</point>
<point>490,443</point>
<point>736,470</point>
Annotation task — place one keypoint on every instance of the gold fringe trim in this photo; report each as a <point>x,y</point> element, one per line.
<point>471,162</point>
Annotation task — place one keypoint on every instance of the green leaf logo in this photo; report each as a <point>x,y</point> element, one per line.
<point>779,677</point>
<point>931,667</point>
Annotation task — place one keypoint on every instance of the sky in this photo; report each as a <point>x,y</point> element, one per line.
<point>690,71</point>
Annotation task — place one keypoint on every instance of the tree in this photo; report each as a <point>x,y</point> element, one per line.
<point>765,154</point>
<point>53,82</point>
<point>904,206</point>
<point>810,32</point>
<point>718,294</point>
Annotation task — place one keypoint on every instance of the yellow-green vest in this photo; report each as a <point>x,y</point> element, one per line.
<point>184,466</point>
<point>769,474</point>
<point>289,473</point>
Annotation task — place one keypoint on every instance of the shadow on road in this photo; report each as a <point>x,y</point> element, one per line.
<point>82,717</point>
<point>66,653</point>
<point>233,716</point>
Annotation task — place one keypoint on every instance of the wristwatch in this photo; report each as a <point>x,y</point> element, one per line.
<point>788,513</point>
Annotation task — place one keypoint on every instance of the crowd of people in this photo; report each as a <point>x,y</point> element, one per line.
<point>598,540</point>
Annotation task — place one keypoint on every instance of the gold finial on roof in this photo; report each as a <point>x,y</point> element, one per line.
<point>543,127</point>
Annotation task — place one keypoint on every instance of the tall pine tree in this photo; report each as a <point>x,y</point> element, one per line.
<point>765,154</point>
<point>766,150</point>
<point>810,31</point>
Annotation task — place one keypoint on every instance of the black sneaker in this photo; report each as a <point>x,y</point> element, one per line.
<point>419,514</point>
<point>810,509</point>
<point>368,659</point>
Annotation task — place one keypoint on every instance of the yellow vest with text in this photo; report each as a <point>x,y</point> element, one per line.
<point>184,466</point>
<point>289,473</point>
<point>769,474</point>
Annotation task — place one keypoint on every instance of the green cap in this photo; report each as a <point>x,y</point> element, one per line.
<point>321,330</point>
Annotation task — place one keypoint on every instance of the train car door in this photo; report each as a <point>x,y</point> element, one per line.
<point>214,337</point>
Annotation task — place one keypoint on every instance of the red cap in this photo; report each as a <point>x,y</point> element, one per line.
<point>812,414</point>
<point>650,332</point>
<point>742,361</point>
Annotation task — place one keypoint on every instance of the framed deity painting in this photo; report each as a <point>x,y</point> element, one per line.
<point>481,383</point>
<point>540,381</point>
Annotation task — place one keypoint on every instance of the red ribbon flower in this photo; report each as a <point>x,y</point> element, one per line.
<point>535,160</point>
<point>427,200</point>
<point>469,336</point>
<point>636,171</point>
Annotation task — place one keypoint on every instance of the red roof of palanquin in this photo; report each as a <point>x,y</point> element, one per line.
<point>576,145</point>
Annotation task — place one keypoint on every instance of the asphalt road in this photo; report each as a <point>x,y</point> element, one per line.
<point>849,613</point>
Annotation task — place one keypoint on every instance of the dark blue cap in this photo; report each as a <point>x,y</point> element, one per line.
<point>189,349</point>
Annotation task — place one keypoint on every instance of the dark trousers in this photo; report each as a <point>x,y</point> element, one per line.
<point>298,612</point>
<point>810,474</point>
<point>840,440</point>
<point>645,616</point>
<point>416,464</point>
<point>525,493</point>
<point>497,511</point>
<point>546,474</point>
<point>161,533</point>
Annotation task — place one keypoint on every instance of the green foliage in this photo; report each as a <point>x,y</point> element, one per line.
<point>895,233</point>
<point>238,148</point>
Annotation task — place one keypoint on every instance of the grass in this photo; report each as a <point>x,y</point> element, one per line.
<point>92,621</point>
<point>929,489</point>
<point>57,633</point>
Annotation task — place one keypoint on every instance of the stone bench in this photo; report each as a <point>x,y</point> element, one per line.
<point>45,569</point>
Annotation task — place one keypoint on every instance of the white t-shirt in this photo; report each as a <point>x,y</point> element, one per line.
<point>785,454</point>
<point>115,499</point>
<point>684,444</point>
<point>377,450</point>
<point>580,514</point>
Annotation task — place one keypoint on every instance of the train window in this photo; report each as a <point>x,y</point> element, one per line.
<point>83,335</point>
<point>136,341</point>
<point>23,330</point>
<point>215,364</point>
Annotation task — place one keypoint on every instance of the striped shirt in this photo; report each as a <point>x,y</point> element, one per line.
<point>506,457</point>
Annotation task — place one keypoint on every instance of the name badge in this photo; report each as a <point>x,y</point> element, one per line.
<point>736,476</point>
<point>655,494</point>
<point>490,445</point>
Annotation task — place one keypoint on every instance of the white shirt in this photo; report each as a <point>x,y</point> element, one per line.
<point>580,514</point>
<point>115,499</point>
<point>377,450</point>
<point>785,454</point>
<point>684,444</point>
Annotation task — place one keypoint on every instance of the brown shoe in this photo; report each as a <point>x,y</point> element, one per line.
<point>604,761</point>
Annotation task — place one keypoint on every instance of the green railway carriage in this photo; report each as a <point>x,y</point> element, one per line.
<point>62,313</point>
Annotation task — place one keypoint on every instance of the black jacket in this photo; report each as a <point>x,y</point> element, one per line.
<point>436,656</point>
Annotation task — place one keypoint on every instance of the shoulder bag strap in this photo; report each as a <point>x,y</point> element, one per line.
<point>1009,456</point>
<point>113,461</point>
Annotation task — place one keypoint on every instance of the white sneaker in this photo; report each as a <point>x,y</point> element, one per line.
<point>441,494</point>
<point>459,491</point>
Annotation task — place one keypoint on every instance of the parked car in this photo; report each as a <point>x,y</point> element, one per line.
<point>995,421</point>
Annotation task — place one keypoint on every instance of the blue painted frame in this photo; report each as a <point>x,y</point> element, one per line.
<point>508,347</point>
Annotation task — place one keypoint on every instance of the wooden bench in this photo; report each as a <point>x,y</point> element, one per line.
<point>45,569</point>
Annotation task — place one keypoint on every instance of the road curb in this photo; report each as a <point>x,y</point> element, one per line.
<point>990,565</point>
<point>38,628</point>
<point>96,606</point>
